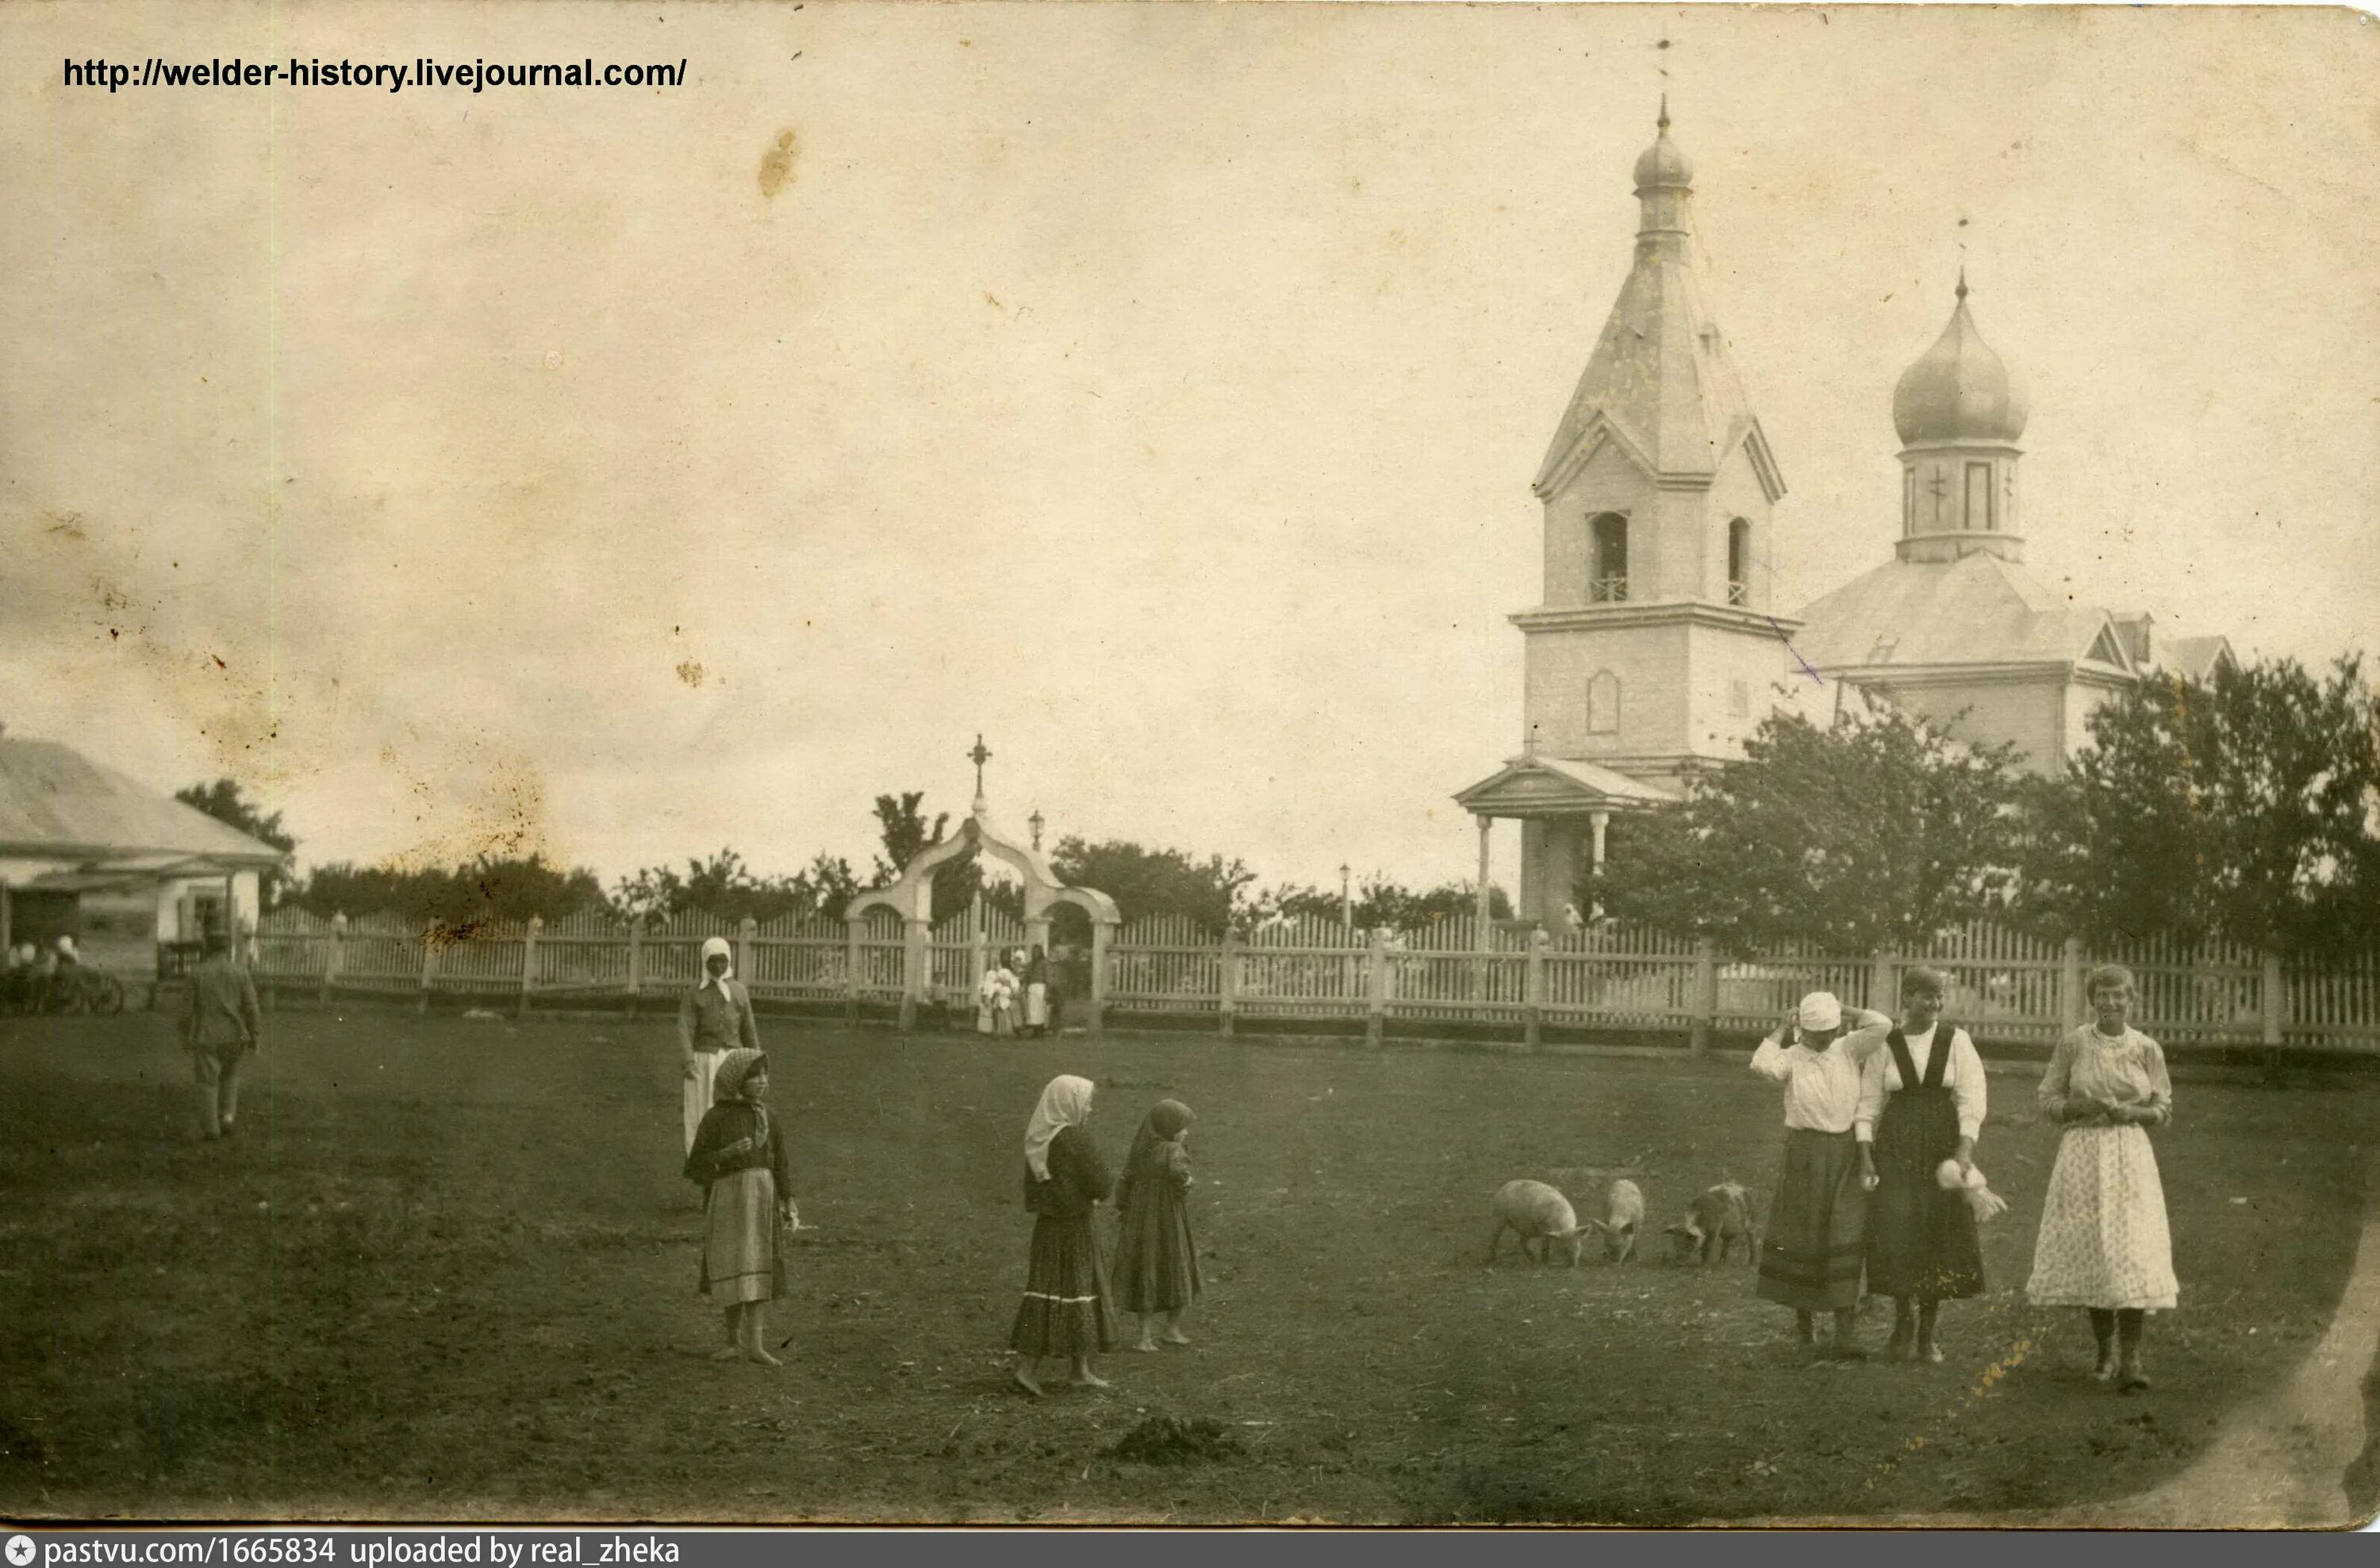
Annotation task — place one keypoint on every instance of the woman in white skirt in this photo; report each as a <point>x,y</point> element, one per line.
<point>2104,1242</point>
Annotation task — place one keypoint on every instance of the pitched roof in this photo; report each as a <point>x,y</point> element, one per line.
<point>1541,786</point>
<point>1977,610</point>
<point>54,801</point>
<point>2197,656</point>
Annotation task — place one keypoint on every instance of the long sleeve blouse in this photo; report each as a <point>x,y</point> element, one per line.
<point>707,1021</point>
<point>1822,1087</point>
<point>1079,1177</point>
<point>2127,1071</point>
<point>738,1135</point>
<point>1963,1075</point>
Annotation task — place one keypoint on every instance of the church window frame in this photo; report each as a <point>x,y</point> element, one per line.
<point>1607,566</point>
<point>1739,560</point>
<point>1603,703</point>
<point>1909,499</point>
<point>1979,488</point>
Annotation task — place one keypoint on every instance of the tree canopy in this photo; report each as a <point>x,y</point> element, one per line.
<point>1877,828</point>
<point>224,801</point>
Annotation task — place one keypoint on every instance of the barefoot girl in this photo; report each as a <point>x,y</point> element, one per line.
<point>2104,1242</point>
<point>1068,1309</point>
<point>739,1157</point>
<point>1810,1258</point>
<point>1921,1103</point>
<point>1156,1263</point>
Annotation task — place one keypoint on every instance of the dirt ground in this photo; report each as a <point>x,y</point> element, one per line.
<point>446,1271</point>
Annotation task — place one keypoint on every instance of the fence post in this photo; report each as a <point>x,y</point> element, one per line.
<point>428,962</point>
<point>1705,1016</point>
<point>636,961</point>
<point>1532,992</point>
<point>331,963</point>
<point>851,925</point>
<point>1376,1004</point>
<point>2070,987</point>
<point>1099,977</point>
<point>1228,979</point>
<point>914,931</point>
<point>2276,1010</point>
<point>1880,995</point>
<point>529,964</point>
<point>746,934</point>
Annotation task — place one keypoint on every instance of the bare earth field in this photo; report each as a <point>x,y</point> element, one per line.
<point>446,1271</point>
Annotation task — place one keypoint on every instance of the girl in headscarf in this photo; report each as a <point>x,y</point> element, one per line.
<point>740,1159</point>
<point>1068,1308</point>
<point>712,1018</point>
<point>1156,1262</point>
<point>2105,1242</point>
<point>996,999</point>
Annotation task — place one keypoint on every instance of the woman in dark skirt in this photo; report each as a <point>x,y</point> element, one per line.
<point>1156,1263</point>
<point>1810,1256</point>
<point>1921,1103</point>
<point>1068,1308</point>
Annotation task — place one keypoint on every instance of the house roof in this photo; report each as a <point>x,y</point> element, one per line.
<point>56,802</point>
<point>1557,786</point>
<point>2197,656</point>
<point>1977,610</point>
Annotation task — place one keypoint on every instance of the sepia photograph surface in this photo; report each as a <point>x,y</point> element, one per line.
<point>1185,765</point>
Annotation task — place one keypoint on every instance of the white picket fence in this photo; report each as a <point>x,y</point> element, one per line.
<point>1508,979</point>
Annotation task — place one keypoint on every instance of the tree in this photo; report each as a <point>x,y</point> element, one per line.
<point>1876,830</point>
<point>485,890</point>
<point>1145,882</point>
<point>725,887</point>
<point>2246,806</point>
<point>1380,902</point>
<point>223,801</point>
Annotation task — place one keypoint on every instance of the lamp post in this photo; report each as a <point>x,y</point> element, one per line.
<point>1346,898</point>
<point>1036,823</point>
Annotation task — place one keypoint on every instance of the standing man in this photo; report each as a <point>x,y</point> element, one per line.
<point>220,1023</point>
<point>712,1018</point>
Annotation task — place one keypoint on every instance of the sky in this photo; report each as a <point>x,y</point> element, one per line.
<point>1154,390</point>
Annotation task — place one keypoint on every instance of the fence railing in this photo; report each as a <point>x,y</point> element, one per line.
<point>1507,978</point>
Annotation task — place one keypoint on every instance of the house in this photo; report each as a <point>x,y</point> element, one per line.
<point>128,872</point>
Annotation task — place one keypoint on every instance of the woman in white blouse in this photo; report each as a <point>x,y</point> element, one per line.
<point>1922,1102</point>
<point>2104,1241</point>
<point>1810,1256</point>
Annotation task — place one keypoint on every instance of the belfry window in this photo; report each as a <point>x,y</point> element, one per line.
<point>1603,704</point>
<point>1908,500</point>
<point>1979,495</point>
<point>1607,582</point>
<point>1738,562</point>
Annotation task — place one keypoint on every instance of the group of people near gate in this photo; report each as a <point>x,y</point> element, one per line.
<point>1876,1193</point>
<point>735,1151</point>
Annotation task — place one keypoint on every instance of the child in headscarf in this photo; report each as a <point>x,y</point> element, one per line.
<point>739,1159</point>
<point>1068,1308</point>
<point>712,1018</point>
<point>1156,1262</point>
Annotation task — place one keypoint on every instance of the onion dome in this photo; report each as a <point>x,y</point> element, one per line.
<point>1662,164</point>
<point>1959,390</point>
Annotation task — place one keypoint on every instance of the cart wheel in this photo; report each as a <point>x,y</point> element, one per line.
<point>107,996</point>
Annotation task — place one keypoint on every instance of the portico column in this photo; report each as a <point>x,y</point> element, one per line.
<point>1479,937</point>
<point>1598,821</point>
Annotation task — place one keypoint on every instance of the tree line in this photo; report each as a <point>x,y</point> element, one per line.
<point>2244,806</point>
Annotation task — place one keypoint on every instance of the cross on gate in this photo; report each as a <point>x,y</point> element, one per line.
<point>979,755</point>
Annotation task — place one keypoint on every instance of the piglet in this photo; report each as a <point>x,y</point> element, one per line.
<point>1534,1211</point>
<point>1623,1215</point>
<point>1714,1221</point>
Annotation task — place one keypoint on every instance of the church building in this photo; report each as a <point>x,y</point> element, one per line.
<point>1656,645</point>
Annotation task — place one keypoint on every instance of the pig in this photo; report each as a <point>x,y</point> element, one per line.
<point>1535,1211</point>
<point>1714,1221</point>
<point>1623,1216</point>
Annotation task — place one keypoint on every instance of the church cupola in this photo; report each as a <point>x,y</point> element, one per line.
<point>1959,412</point>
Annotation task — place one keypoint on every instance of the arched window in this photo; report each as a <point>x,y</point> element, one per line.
<point>1603,704</point>
<point>1738,562</point>
<point>1606,582</point>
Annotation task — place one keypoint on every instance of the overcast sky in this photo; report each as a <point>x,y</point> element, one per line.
<point>1153,389</point>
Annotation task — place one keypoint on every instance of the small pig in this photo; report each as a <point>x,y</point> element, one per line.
<point>1535,1211</point>
<point>1714,1221</point>
<point>1623,1215</point>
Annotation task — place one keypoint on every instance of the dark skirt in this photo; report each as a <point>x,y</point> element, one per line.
<point>1921,1236</point>
<point>1810,1256</point>
<point>1068,1308</point>
<point>1157,1264</point>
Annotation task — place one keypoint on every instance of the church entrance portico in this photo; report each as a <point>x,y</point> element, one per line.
<point>1570,811</point>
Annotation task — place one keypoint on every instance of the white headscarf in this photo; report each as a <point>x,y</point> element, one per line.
<point>1065,1103</point>
<point>718,944</point>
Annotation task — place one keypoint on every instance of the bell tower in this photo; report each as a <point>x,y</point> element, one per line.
<point>1655,642</point>
<point>1958,413</point>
